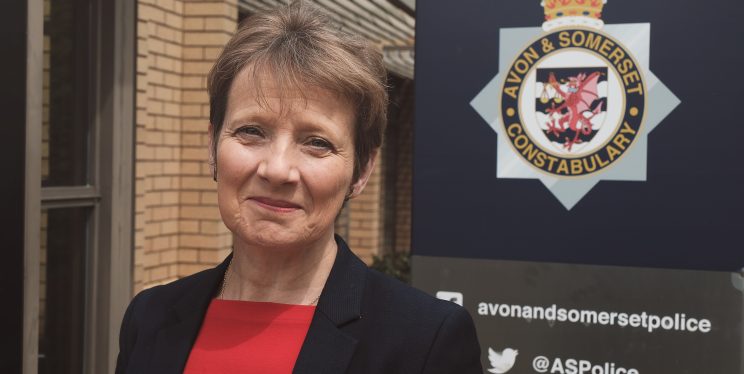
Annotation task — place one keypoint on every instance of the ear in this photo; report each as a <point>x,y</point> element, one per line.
<point>364,174</point>
<point>212,160</point>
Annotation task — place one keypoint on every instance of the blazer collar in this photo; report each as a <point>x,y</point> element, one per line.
<point>341,299</point>
<point>327,349</point>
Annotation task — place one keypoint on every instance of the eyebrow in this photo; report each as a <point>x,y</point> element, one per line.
<point>249,116</point>
<point>305,123</point>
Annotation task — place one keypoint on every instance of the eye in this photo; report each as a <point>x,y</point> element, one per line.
<point>248,131</point>
<point>320,144</point>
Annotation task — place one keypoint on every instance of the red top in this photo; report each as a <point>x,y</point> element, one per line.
<point>249,337</point>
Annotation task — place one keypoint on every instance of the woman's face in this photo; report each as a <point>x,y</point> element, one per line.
<point>284,164</point>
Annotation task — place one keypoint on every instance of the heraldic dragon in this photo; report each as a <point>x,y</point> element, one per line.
<point>575,113</point>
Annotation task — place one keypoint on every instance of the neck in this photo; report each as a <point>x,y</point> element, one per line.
<point>280,275</point>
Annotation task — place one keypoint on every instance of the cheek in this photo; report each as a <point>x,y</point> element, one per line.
<point>234,163</point>
<point>233,170</point>
<point>328,184</point>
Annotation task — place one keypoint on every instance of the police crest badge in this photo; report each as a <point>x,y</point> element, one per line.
<point>574,101</point>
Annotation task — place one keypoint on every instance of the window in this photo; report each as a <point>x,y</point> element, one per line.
<point>78,271</point>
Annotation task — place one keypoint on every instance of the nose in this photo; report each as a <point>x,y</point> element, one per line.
<point>279,165</point>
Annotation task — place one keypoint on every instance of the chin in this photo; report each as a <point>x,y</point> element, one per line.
<point>274,236</point>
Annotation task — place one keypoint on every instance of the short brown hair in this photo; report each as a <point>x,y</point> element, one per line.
<point>297,45</point>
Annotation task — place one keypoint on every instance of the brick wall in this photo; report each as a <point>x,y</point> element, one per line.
<point>402,142</point>
<point>177,230</point>
<point>365,217</point>
<point>208,25</point>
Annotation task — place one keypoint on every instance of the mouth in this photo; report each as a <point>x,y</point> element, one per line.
<point>278,206</point>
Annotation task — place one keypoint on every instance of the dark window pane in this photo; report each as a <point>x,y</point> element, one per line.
<point>65,130</point>
<point>64,240</point>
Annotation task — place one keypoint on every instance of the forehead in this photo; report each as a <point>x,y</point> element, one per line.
<point>281,94</point>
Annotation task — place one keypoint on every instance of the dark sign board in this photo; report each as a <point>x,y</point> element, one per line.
<point>584,319</point>
<point>641,166</point>
<point>578,178</point>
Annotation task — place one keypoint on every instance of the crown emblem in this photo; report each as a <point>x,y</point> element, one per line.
<point>561,13</point>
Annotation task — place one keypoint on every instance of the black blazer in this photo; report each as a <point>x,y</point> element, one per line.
<point>364,322</point>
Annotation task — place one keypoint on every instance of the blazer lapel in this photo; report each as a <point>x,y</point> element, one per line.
<point>174,341</point>
<point>327,348</point>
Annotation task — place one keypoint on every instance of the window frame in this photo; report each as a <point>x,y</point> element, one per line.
<point>109,192</point>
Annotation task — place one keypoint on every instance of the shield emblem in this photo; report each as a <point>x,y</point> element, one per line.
<point>570,105</point>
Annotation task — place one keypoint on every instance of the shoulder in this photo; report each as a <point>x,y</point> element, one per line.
<point>385,290</point>
<point>162,297</point>
<point>437,336</point>
<point>382,293</point>
<point>400,304</point>
<point>154,308</point>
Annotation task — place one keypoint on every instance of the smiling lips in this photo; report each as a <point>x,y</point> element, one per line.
<point>279,206</point>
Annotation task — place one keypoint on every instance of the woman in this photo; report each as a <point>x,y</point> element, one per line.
<point>297,114</point>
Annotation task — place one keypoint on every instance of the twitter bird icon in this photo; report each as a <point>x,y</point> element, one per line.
<point>501,362</point>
